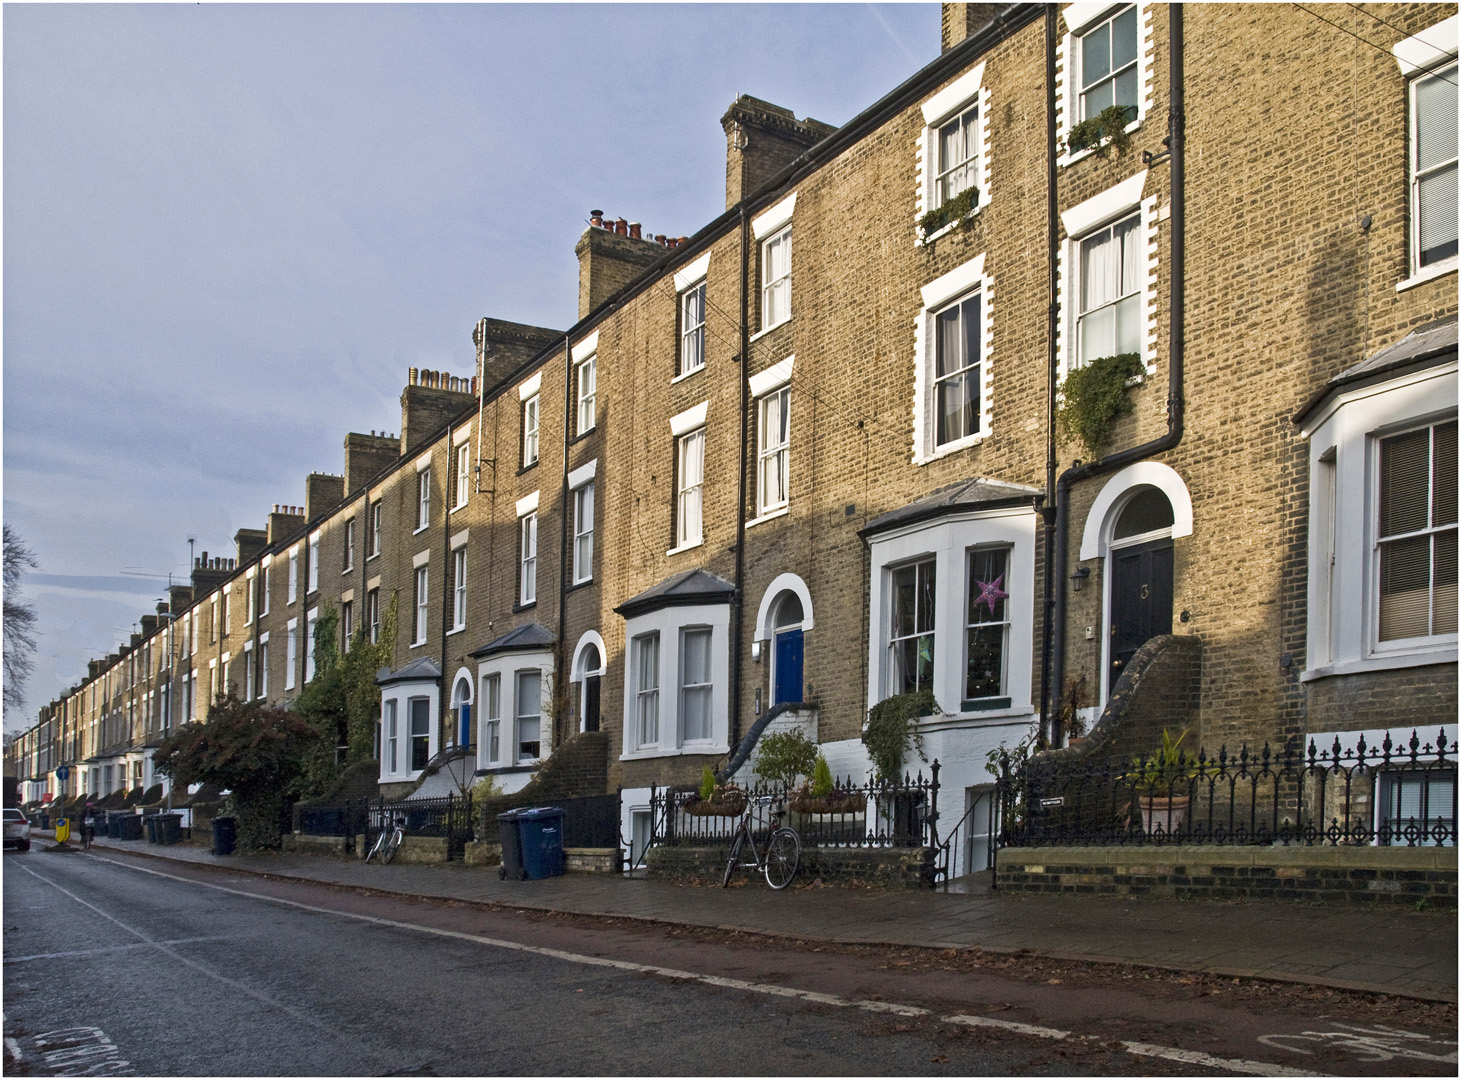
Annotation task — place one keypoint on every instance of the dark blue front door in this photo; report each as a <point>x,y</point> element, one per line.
<point>788,666</point>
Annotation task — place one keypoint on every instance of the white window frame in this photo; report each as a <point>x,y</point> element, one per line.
<point>530,431</point>
<point>251,597</point>
<point>773,451</point>
<point>1343,595</point>
<point>959,284</point>
<point>349,542</point>
<point>583,533</point>
<point>1098,212</point>
<point>291,652</point>
<point>377,517</point>
<point>1431,532</point>
<point>463,456</point>
<point>647,682</point>
<point>964,94</point>
<point>423,499</point>
<point>398,697</point>
<point>586,384</point>
<point>505,669</point>
<point>391,736</point>
<point>422,604</point>
<point>1418,56</point>
<point>459,588</point>
<point>347,624</point>
<point>312,618</point>
<point>975,618</point>
<point>689,490</point>
<point>372,614</point>
<point>293,592</point>
<point>1449,262</point>
<point>703,686</point>
<point>776,291</point>
<point>528,704</point>
<point>667,625</point>
<point>527,546</point>
<point>948,540</point>
<point>489,739</point>
<point>692,329</point>
<point>1080,20</point>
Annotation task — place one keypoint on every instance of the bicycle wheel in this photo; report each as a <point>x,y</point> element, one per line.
<point>391,846</point>
<point>730,863</point>
<point>375,849</point>
<point>783,856</point>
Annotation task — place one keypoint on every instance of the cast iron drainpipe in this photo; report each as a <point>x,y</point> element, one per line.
<point>1055,674</point>
<point>744,361</point>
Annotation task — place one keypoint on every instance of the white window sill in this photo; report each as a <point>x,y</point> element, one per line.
<point>375,556</point>
<point>944,230</point>
<point>687,374</point>
<point>1430,273</point>
<point>1081,155</point>
<point>770,515</point>
<point>349,569</point>
<point>586,431</point>
<point>420,529</point>
<point>459,506</point>
<point>582,581</point>
<point>1440,653</point>
<point>456,630</point>
<point>951,448</point>
<point>766,330</point>
<point>974,718</point>
<point>693,748</point>
<point>417,644</point>
<point>686,547</point>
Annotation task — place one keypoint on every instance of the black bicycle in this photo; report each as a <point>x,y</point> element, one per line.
<point>782,854</point>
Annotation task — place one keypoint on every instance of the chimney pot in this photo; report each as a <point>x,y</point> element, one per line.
<point>634,228</point>
<point>684,239</point>
<point>596,218</point>
<point>411,377</point>
<point>621,226</point>
<point>659,238</point>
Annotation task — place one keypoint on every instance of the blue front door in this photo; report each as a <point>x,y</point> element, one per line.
<point>788,667</point>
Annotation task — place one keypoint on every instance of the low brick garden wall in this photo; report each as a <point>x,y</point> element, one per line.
<point>306,844</point>
<point>1369,875</point>
<point>897,868</point>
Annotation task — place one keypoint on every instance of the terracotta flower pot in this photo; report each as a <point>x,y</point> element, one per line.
<point>827,804</point>
<point>1162,813</point>
<point>729,805</point>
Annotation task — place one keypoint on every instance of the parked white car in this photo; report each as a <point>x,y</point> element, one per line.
<point>17,829</point>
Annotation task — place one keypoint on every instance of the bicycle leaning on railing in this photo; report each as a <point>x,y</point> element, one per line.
<point>783,852</point>
<point>389,840</point>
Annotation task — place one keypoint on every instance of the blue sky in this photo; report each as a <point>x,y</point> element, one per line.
<point>229,231</point>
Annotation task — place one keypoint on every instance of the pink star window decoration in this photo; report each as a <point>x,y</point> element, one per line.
<point>990,593</point>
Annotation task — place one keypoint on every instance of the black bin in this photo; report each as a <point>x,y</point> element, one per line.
<point>129,827</point>
<point>114,824</point>
<point>169,828</point>
<point>225,835</point>
<point>512,851</point>
<point>541,831</point>
<point>149,823</point>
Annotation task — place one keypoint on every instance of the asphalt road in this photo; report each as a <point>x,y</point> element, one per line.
<point>116,968</point>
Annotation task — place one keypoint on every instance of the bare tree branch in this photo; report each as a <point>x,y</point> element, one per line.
<point>19,621</point>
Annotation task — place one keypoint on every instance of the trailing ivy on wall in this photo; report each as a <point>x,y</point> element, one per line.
<point>1102,133</point>
<point>955,209</point>
<point>892,730</point>
<point>1094,396</point>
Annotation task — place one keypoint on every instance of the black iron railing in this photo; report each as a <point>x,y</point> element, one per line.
<point>590,821</point>
<point>447,816</point>
<point>1395,794</point>
<point>862,815</point>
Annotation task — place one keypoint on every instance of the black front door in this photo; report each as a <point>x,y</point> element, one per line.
<point>1141,600</point>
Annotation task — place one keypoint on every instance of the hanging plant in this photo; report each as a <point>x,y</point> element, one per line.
<point>1102,133</point>
<point>955,209</point>
<point>892,730</point>
<point>1094,396</point>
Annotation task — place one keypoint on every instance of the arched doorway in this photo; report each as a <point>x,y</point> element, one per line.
<point>786,650</point>
<point>588,672</point>
<point>1139,578</point>
<point>461,707</point>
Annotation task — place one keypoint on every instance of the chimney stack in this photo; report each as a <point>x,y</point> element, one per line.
<point>761,140</point>
<point>962,20</point>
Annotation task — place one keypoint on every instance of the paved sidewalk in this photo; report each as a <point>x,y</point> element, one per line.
<point>1375,949</point>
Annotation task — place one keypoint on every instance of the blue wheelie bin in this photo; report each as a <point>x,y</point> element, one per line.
<point>512,850</point>
<point>541,832</point>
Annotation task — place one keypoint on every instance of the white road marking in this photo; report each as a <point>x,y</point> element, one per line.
<point>100,949</point>
<point>298,1014</point>
<point>1377,1043</point>
<point>1235,1065</point>
<point>14,1048</point>
<point>79,1051</point>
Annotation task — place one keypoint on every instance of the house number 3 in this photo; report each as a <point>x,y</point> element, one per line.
<point>1145,591</point>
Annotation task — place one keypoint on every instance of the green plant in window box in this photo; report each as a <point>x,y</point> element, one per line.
<point>1102,133</point>
<point>714,800</point>
<point>1094,396</point>
<point>892,731</point>
<point>956,209</point>
<point>821,795</point>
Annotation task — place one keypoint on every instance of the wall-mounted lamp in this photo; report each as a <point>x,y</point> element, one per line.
<point>756,651</point>
<point>1080,575</point>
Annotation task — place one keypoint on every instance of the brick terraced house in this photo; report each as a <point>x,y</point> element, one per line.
<point>807,458</point>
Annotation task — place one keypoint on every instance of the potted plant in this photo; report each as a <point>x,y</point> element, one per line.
<point>715,800</point>
<point>820,795</point>
<point>1162,781</point>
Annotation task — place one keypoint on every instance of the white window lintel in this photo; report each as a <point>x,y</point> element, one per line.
<point>689,420</point>
<point>958,280</point>
<point>420,559</point>
<point>959,92</point>
<point>530,386</point>
<point>692,272</point>
<point>528,504</point>
<point>1099,209</point>
<point>583,474</point>
<point>774,377</point>
<point>1432,46</point>
<point>585,348</point>
<point>764,224</point>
